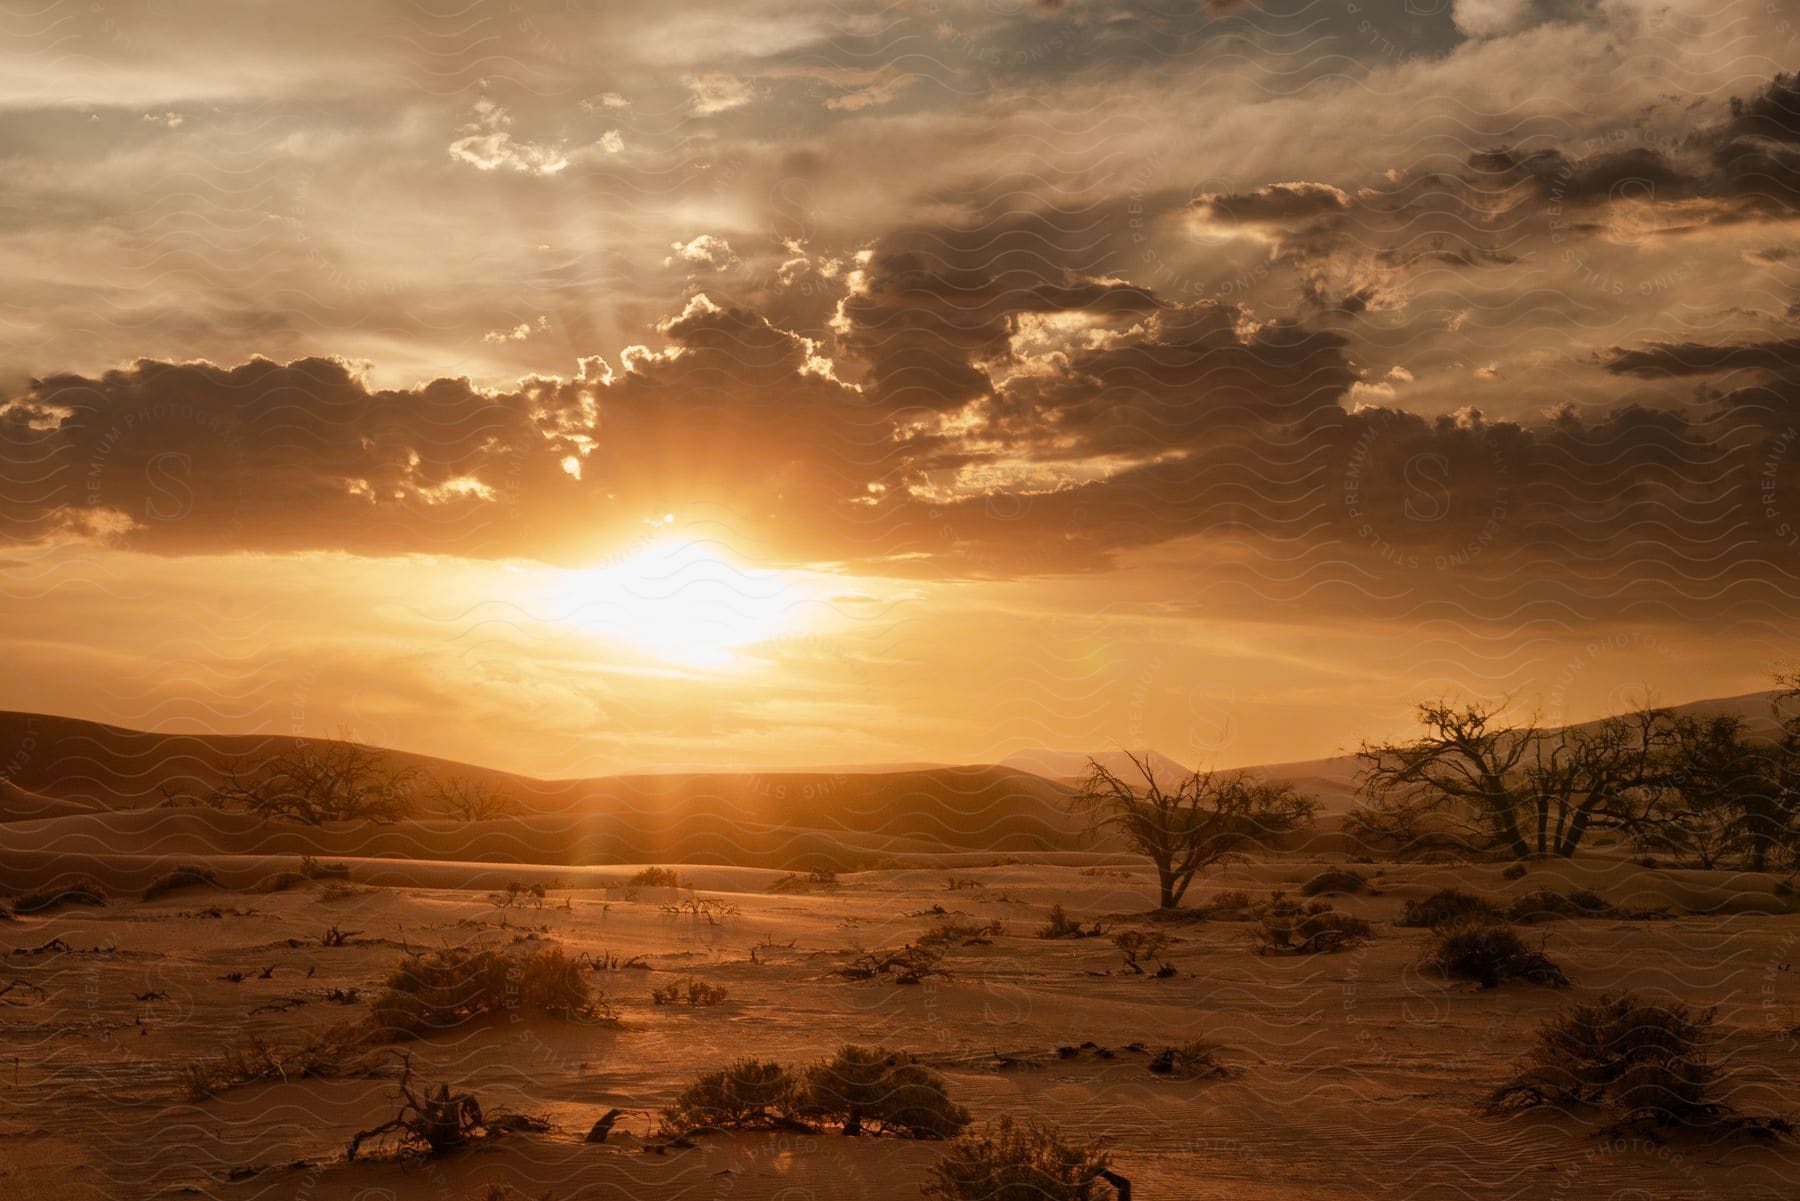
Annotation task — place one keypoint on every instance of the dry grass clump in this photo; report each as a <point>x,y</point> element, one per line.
<point>1489,953</point>
<point>818,877</point>
<point>1646,1062</point>
<point>185,876</point>
<point>1513,871</point>
<point>81,891</point>
<point>1545,905</point>
<point>1027,1161</point>
<point>657,877</point>
<point>282,882</point>
<point>1445,906</point>
<point>1061,925</point>
<point>440,990</point>
<point>255,1059</point>
<point>1335,879</point>
<point>1197,1060</point>
<point>962,934</point>
<point>690,991</point>
<point>877,1091</point>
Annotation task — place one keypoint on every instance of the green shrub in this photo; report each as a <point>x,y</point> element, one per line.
<point>750,1094</point>
<point>1445,906</point>
<point>1489,953</point>
<point>1334,879</point>
<point>1019,1162</point>
<point>76,892</point>
<point>1646,1062</point>
<point>182,877</point>
<point>874,1090</point>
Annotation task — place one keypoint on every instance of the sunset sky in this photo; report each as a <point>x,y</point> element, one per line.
<point>583,385</point>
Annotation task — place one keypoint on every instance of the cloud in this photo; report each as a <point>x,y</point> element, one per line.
<point>718,92</point>
<point>487,144</point>
<point>706,250</point>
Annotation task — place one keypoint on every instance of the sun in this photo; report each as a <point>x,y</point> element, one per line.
<point>689,602</point>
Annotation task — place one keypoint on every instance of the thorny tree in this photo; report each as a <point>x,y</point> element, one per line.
<point>1204,819</point>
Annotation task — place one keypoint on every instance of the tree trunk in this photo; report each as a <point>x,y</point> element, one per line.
<point>1165,885</point>
<point>1543,814</point>
<point>1572,837</point>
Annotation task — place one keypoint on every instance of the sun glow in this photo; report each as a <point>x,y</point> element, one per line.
<point>686,602</point>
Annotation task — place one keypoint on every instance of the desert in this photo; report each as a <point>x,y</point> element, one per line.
<point>182,1033</point>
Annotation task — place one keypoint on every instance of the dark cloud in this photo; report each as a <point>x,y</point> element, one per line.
<point>1698,358</point>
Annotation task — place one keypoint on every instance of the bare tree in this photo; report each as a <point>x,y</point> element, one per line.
<point>473,800</point>
<point>1206,818</point>
<point>1601,777</point>
<point>1467,764</point>
<point>319,782</point>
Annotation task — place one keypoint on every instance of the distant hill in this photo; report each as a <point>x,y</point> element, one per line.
<point>75,788</point>
<point>1073,765</point>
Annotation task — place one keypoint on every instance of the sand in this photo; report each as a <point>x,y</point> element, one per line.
<point>1353,1074</point>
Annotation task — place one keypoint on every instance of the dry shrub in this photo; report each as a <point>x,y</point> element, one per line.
<point>312,869</point>
<point>1191,1061</point>
<point>440,990</point>
<point>256,1060</point>
<point>1012,1161</point>
<point>1061,925</point>
<point>1289,928</point>
<point>1515,871</point>
<point>962,934</point>
<point>1545,905</point>
<point>877,1091</point>
<point>689,991</point>
<point>1445,906</point>
<point>430,1122</point>
<point>911,964</point>
<point>518,893</point>
<point>1140,945</point>
<point>1646,1062</point>
<point>80,891</point>
<point>818,877</point>
<point>185,876</point>
<point>1335,879</point>
<point>657,877</point>
<point>750,1094</point>
<point>1489,953</point>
